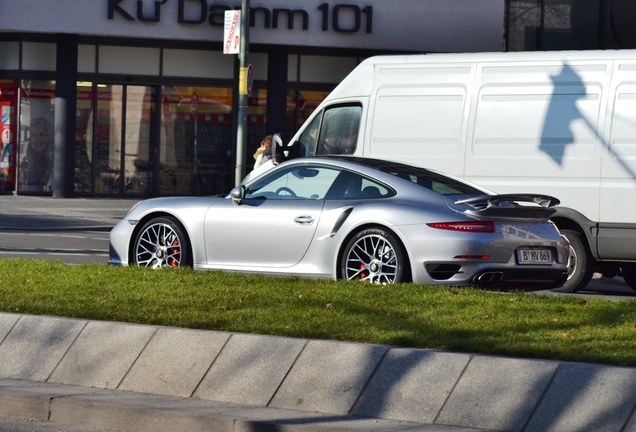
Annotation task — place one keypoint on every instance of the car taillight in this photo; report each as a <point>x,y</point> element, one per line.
<point>467,226</point>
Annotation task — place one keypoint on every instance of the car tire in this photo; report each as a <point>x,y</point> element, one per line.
<point>629,274</point>
<point>580,263</point>
<point>161,242</point>
<point>374,255</point>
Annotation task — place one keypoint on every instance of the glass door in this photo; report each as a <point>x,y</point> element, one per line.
<point>122,135</point>
<point>137,167</point>
<point>108,140</point>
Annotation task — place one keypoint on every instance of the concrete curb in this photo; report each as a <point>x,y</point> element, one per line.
<point>104,374</point>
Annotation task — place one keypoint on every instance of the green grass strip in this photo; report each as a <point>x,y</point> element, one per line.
<point>420,316</point>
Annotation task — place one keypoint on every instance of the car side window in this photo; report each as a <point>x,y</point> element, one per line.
<point>298,182</point>
<point>350,185</point>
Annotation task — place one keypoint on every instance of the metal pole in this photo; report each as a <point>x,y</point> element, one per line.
<point>241,133</point>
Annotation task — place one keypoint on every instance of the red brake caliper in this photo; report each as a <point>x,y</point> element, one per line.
<point>175,251</point>
<point>362,274</point>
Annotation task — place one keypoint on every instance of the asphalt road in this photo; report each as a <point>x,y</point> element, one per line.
<point>72,247</point>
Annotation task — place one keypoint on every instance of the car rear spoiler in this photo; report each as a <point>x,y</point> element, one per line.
<point>508,205</point>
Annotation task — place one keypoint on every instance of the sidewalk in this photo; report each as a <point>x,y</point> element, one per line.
<point>130,377</point>
<point>46,213</point>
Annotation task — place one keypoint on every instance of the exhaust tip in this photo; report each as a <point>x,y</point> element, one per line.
<point>490,277</point>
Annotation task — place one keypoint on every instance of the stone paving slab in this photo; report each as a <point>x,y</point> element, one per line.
<point>102,354</point>
<point>328,377</point>
<point>35,346</point>
<point>250,369</point>
<point>509,391</point>
<point>587,397</point>
<point>6,324</point>
<point>174,362</point>
<point>411,385</point>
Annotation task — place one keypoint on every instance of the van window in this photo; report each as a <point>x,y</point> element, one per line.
<point>334,131</point>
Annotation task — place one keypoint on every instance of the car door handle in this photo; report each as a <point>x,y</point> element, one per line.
<point>304,220</point>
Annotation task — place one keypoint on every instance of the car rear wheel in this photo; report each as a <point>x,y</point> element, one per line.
<point>629,274</point>
<point>580,263</point>
<point>374,255</point>
<point>161,242</point>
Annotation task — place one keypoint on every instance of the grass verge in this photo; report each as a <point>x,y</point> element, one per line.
<point>420,316</point>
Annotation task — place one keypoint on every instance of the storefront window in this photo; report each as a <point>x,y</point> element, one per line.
<point>306,102</point>
<point>121,147</point>
<point>108,139</point>
<point>196,141</point>
<point>542,25</point>
<point>84,139</point>
<point>9,133</point>
<point>36,135</point>
<point>139,119</point>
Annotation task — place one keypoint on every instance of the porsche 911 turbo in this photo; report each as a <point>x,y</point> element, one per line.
<point>343,217</point>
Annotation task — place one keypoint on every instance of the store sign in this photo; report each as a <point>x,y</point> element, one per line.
<point>397,25</point>
<point>341,18</point>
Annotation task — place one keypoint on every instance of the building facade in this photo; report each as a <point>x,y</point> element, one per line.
<point>136,98</point>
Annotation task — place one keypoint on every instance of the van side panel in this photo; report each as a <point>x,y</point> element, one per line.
<point>618,171</point>
<point>418,115</point>
<point>536,127</point>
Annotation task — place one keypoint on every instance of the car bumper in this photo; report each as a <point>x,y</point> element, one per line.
<point>118,243</point>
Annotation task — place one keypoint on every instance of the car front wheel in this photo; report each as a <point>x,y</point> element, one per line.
<point>374,255</point>
<point>161,242</point>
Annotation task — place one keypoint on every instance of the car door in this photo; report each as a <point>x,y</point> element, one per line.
<point>274,224</point>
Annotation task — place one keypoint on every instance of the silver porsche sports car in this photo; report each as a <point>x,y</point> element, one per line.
<point>357,219</point>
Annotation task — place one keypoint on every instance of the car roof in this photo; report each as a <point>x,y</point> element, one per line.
<point>392,170</point>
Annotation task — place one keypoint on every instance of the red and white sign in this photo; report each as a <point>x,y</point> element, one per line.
<point>232,32</point>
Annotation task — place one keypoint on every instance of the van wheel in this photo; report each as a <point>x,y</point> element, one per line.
<point>580,263</point>
<point>629,274</point>
<point>376,256</point>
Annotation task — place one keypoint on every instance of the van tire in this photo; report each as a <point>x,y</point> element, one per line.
<point>580,263</point>
<point>629,274</point>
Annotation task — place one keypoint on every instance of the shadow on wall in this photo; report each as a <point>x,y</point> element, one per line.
<point>559,130</point>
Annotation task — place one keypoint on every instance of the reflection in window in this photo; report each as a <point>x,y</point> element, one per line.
<point>335,131</point>
<point>304,182</point>
<point>140,109</point>
<point>37,102</point>
<point>196,141</point>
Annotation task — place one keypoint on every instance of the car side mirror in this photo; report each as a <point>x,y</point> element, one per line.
<point>238,194</point>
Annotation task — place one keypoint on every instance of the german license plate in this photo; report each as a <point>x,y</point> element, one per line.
<point>534,256</point>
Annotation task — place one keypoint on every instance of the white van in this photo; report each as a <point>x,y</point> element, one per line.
<point>559,123</point>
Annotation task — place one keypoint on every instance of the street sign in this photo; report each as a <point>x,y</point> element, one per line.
<point>246,80</point>
<point>232,32</point>
<point>250,79</point>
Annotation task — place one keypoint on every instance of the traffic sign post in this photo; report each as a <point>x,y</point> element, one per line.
<point>236,41</point>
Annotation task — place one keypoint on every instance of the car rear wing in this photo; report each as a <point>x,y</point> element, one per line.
<point>519,205</point>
